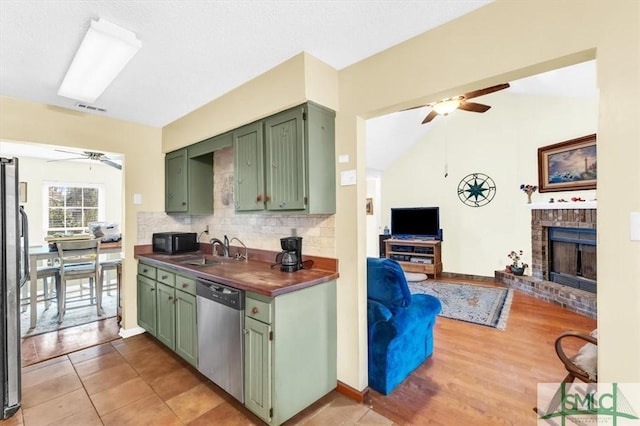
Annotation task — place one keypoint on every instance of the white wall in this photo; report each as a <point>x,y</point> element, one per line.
<point>35,171</point>
<point>501,143</point>
<point>374,224</point>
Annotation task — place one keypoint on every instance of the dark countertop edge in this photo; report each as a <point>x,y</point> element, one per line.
<point>267,256</point>
<point>145,253</point>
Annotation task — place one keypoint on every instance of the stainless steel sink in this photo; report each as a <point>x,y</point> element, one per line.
<point>202,261</point>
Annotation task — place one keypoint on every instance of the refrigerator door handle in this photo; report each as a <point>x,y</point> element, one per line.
<point>25,246</point>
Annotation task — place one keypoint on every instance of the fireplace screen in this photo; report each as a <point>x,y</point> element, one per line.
<point>572,258</point>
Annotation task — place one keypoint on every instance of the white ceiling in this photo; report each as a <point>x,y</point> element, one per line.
<point>195,51</point>
<point>403,129</point>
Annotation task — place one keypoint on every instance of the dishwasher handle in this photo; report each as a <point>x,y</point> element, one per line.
<point>220,293</point>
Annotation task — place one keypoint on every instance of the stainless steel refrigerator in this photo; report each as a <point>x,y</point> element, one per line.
<point>14,260</point>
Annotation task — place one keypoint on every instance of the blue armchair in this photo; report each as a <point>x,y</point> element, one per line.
<point>400,325</point>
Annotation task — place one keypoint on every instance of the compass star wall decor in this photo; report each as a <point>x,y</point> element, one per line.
<point>476,190</point>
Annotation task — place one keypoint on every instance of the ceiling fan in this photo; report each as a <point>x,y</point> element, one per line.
<point>446,106</point>
<point>90,155</point>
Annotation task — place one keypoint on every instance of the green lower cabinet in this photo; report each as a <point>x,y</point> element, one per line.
<point>147,304</point>
<point>167,310</point>
<point>290,351</point>
<point>257,367</point>
<point>186,327</point>
<point>166,323</point>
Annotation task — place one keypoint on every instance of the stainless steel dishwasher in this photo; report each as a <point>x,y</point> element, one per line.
<point>220,336</point>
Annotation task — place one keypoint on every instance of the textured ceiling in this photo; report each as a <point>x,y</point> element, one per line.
<point>195,51</point>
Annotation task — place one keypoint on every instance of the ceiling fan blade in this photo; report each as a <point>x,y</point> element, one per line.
<point>473,107</point>
<point>486,91</point>
<point>68,152</point>
<point>67,159</point>
<point>433,114</point>
<point>111,163</point>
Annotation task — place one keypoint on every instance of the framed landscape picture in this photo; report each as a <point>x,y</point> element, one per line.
<point>568,166</point>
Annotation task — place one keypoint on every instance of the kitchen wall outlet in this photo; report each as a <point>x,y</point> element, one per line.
<point>344,158</point>
<point>137,199</point>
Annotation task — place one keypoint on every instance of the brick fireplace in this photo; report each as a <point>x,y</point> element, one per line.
<point>538,285</point>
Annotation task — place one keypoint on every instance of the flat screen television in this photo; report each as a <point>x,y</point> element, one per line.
<point>419,223</point>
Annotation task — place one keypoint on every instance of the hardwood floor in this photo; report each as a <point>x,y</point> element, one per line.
<point>479,375</point>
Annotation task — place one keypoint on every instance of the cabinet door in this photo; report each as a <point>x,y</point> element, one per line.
<point>249,167</point>
<point>257,368</point>
<point>284,161</point>
<point>186,327</point>
<point>176,182</point>
<point>166,325</point>
<point>147,304</point>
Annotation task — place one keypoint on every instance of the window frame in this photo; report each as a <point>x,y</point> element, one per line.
<point>46,208</point>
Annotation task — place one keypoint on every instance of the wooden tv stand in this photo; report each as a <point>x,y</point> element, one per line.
<point>422,256</point>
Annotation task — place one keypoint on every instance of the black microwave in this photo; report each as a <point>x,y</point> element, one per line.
<point>175,242</point>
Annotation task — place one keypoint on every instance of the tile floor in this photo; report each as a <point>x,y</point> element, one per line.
<point>137,381</point>
<point>49,345</point>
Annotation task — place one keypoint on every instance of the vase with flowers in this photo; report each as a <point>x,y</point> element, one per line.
<point>517,265</point>
<point>529,189</point>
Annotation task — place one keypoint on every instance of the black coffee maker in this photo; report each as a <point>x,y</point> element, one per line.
<point>290,259</point>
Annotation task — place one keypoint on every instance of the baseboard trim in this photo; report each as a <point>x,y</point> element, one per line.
<point>129,332</point>
<point>352,393</point>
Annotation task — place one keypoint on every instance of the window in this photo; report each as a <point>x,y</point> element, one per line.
<point>71,206</point>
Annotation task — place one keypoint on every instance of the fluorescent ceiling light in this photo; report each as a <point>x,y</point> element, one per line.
<point>104,52</point>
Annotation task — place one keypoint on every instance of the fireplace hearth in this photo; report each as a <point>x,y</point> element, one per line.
<point>563,264</point>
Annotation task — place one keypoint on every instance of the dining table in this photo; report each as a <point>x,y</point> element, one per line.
<point>46,252</point>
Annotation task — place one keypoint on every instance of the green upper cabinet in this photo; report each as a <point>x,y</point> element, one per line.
<point>189,176</point>
<point>176,197</point>
<point>291,167</point>
<point>249,167</point>
<point>284,161</point>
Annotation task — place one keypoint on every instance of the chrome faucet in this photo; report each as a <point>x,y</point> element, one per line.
<point>225,248</point>
<point>241,256</point>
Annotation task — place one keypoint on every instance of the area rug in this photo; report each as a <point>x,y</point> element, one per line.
<point>48,318</point>
<point>466,302</point>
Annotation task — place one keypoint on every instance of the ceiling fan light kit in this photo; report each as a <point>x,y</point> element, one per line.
<point>448,105</point>
<point>104,52</point>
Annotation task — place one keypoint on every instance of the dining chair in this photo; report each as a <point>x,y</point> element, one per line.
<point>45,273</point>
<point>78,260</point>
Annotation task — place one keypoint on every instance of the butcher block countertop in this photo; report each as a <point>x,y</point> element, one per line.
<point>255,274</point>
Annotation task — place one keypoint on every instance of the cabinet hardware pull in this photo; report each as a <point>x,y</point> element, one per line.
<point>145,270</point>
<point>267,198</point>
<point>185,285</point>
<point>254,310</point>
<point>259,198</point>
<point>164,277</point>
<point>153,289</point>
<point>184,203</point>
<point>170,297</point>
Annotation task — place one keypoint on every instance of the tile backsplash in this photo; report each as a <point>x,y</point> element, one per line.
<point>256,230</point>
